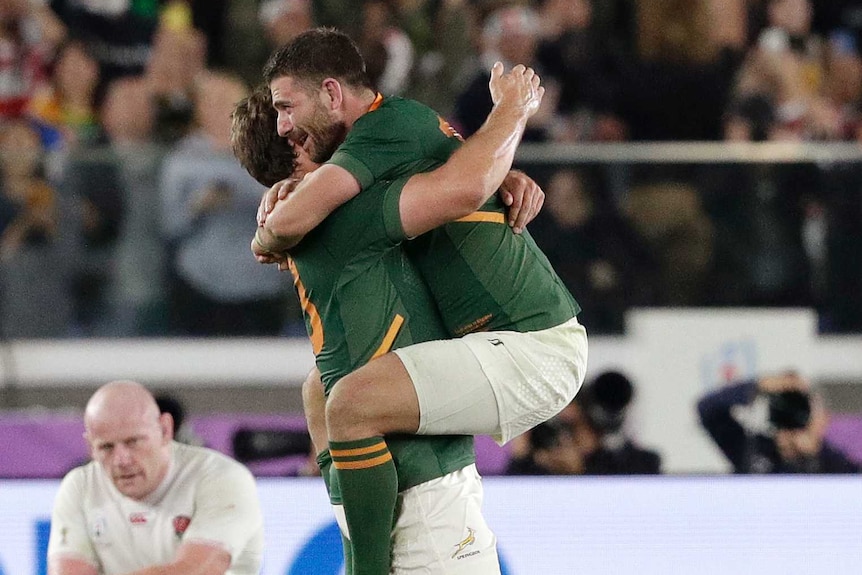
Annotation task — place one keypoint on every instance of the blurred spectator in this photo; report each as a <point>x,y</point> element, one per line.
<point>118,33</point>
<point>598,254</point>
<point>793,19</point>
<point>842,217</point>
<point>28,35</point>
<point>790,440</point>
<point>443,35</point>
<point>773,99</point>
<point>583,66</point>
<point>509,35</point>
<point>678,85</point>
<point>65,109</point>
<point>759,214</point>
<point>208,205</point>
<point>184,431</point>
<point>842,83</point>
<point>32,263</point>
<point>283,20</point>
<point>606,401</point>
<point>790,87</point>
<point>793,85</point>
<point>178,57</point>
<point>29,214</point>
<point>212,18</point>
<point>550,448</point>
<point>387,49</point>
<point>92,187</point>
<point>589,437</point>
<point>832,15</point>
<point>670,216</point>
<point>138,305</point>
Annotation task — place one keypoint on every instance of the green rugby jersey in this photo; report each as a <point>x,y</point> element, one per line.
<point>361,298</point>
<point>481,274</point>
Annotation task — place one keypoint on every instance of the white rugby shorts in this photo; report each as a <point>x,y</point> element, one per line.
<point>497,383</point>
<point>440,529</point>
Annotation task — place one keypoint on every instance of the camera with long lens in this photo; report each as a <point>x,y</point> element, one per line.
<point>789,409</point>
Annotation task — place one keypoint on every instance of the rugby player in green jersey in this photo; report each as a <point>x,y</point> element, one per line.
<point>361,298</point>
<point>530,362</point>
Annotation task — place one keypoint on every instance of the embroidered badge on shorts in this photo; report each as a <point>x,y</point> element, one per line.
<point>463,544</point>
<point>181,523</point>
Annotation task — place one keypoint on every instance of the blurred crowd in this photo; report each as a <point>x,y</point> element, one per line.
<point>123,212</point>
<point>773,423</point>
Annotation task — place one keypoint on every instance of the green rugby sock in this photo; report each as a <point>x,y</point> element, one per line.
<point>369,489</point>
<point>347,546</point>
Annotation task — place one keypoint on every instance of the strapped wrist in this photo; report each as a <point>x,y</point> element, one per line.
<point>260,242</point>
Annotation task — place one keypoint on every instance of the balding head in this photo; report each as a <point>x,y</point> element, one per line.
<point>128,437</point>
<point>120,400</point>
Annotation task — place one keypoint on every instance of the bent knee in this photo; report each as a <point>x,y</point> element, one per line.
<point>348,407</point>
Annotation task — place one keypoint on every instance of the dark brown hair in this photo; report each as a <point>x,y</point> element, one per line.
<point>264,154</point>
<point>318,54</point>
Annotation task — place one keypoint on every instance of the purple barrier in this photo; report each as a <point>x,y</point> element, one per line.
<point>47,445</point>
<point>845,434</point>
<point>41,445</point>
<point>218,430</point>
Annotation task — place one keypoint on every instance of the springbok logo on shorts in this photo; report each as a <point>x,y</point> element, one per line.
<point>466,542</point>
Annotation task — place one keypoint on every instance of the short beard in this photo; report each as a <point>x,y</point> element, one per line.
<point>327,140</point>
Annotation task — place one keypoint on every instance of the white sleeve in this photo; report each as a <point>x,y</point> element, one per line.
<point>227,509</point>
<point>70,533</point>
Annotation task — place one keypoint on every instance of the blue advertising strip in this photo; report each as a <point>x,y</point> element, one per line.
<point>322,554</point>
<point>43,532</point>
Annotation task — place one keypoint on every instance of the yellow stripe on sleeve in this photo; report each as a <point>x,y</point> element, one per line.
<point>490,217</point>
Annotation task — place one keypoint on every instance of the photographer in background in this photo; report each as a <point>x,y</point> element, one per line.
<point>793,439</point>
<point>558,446</point>
<point>588,437</point>
<point>606,401</point>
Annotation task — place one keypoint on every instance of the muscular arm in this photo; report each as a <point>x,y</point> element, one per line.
<point>192,558</point>
<point>70,566</point>
<point>454,190</point>
<point>314,198</point>
<point>475,171</point>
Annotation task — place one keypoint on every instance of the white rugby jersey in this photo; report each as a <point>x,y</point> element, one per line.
<point>205,496</point>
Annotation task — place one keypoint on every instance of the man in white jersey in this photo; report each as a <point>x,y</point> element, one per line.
<point>148,505</point>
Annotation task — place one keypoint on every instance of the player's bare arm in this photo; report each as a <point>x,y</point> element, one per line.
<point>476,170</point>
<point>280,190</point>
<point>67,565</point>
<point>317,196</point>
<point>193,558</point>
<point>287,213</point>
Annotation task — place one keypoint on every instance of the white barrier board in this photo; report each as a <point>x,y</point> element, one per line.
<point>559,526</point>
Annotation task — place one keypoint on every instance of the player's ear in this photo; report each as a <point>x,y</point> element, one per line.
<point>166,424</point>
<point>333,93</point>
